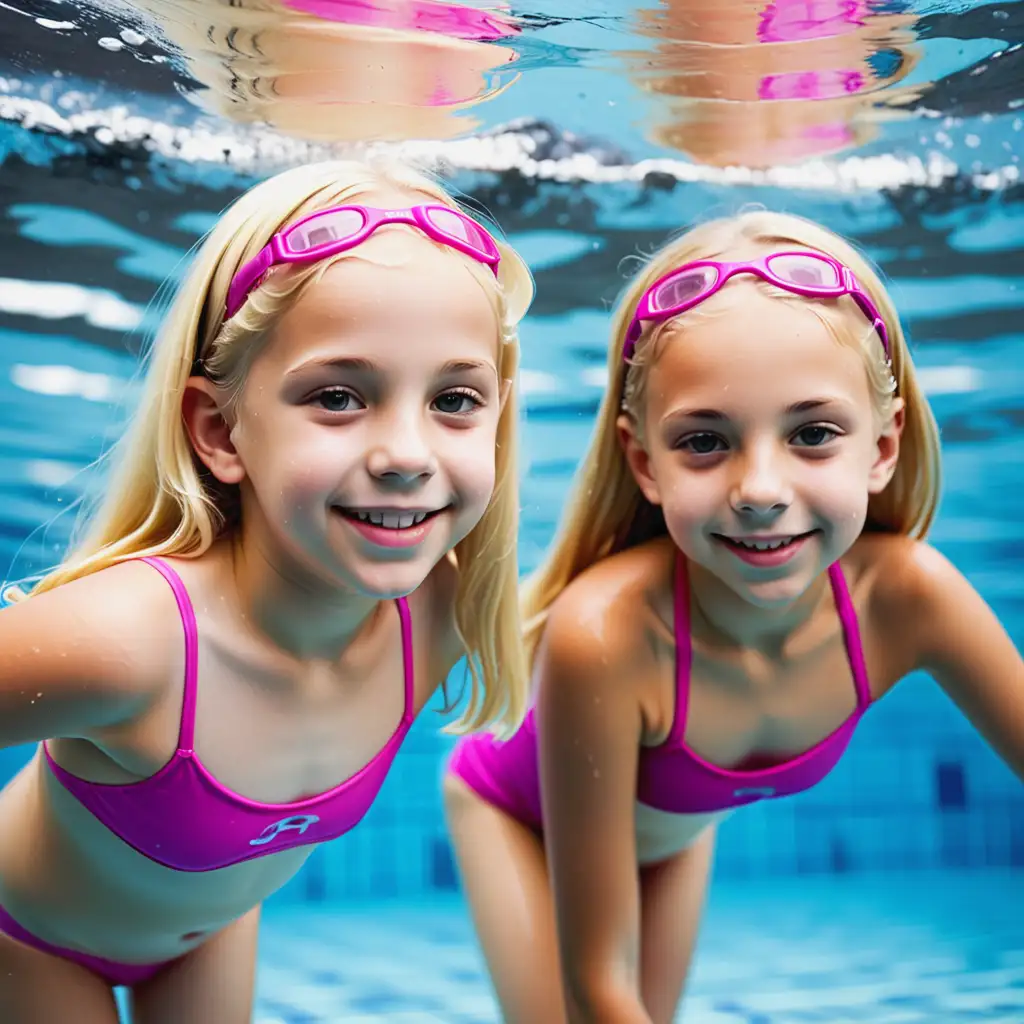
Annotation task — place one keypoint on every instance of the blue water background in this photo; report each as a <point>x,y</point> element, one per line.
<point>892,891</point>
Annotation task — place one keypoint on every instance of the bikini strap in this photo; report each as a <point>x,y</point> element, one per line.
<point>684,649</point>
<point>851,634</point>
<point>186,731</point>
<point>408,664</point>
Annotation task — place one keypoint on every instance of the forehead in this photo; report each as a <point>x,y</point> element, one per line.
<point>753,350</point>
<point>399,296</point>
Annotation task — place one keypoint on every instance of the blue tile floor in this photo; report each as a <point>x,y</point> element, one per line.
<point>936,948</point>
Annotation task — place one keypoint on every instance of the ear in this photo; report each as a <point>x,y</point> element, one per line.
<point>888,452</point>
<point>209,431</point>
<point>637,458</point>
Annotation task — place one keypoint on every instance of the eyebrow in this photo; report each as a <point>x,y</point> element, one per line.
<point>454,366</point>
<point>350,363</point>
<point>715,416</point>
<point>360,365</point>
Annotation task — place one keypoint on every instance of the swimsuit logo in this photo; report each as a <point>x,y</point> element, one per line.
<point>755,791</point>
<point>297,823</point>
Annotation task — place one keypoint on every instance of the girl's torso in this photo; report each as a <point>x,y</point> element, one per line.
<point>723,727</point>
<point>240,741</point>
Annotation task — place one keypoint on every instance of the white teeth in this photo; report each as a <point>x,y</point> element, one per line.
<point>391,520</point>
<point>765,545</point>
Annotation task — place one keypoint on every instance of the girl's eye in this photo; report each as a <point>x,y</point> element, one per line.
<point>814,436</point>
<point>457,403</point>
<point>338,400</point>
<point>703,444</point>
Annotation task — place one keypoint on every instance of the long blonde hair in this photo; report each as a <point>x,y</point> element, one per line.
<point>607,513</point>
<point>161,502</point>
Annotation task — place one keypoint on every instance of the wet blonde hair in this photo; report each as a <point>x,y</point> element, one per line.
<point>606,511</point>
<point>162,501</point>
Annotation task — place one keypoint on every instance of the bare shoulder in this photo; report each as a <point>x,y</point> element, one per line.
<point>609,622</point>
<point>898,573</point>
<point>118,621</point>
<point>916,599</point>
<point>941,624</point>
<point>598,669</point>
<point>91,652</point>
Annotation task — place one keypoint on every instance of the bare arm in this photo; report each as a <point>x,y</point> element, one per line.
<point>959,641</point>
<point>83,656</point>
<point>589,724</point>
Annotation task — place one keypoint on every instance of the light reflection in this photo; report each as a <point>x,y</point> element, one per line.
<point>342,70</point>
<point>757,84</point>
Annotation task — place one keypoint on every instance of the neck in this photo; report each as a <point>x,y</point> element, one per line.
<point>738,622</point>
<point>298,612</point>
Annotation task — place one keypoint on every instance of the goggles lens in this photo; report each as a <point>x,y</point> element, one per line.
<point>328,228</point>
<point>805,271</point>
<point>456,226</point>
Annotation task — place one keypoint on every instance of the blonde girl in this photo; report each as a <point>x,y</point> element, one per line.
<point>313,518</point>
<point>740,575</point>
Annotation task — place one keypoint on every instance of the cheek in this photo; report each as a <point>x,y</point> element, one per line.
<point>471,465</point>
<point>288,462</point>
<point>688,496</point>
<point>475,471</point>
<point>838,489</point>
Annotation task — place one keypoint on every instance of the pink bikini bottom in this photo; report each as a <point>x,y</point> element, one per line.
<point>110,970</point>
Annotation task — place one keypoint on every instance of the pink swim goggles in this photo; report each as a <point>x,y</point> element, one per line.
<point>329,232</point>
<point>812,274</point>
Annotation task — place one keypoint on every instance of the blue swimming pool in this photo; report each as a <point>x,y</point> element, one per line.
<point>892,948</point>
<point>889,893</point>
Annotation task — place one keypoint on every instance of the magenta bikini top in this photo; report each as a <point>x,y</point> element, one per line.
<point>675,779</point>
<point>671,777</point>
<point>183,818</point>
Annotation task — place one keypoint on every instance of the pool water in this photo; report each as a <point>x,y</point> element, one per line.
<point>926,948</point>
<point>891,892</point>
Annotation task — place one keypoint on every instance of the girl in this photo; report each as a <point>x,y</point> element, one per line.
<point>315,517</point>
<point>740,575</point>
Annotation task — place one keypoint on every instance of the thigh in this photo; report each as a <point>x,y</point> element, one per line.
<point>214,982</point>
<point>504,877</point>
<point>672,903</point>
<point>40,988</point>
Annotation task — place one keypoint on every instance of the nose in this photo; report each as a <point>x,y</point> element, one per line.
<point>400,453</point>
<point>761,487</point>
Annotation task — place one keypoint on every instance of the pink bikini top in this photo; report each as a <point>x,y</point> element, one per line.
<point>675,779</point>
<point>183,818</point>
<point>671,777</point>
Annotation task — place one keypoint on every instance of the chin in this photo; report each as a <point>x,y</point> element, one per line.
<point>769,594</point>
<point>390,580</point>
